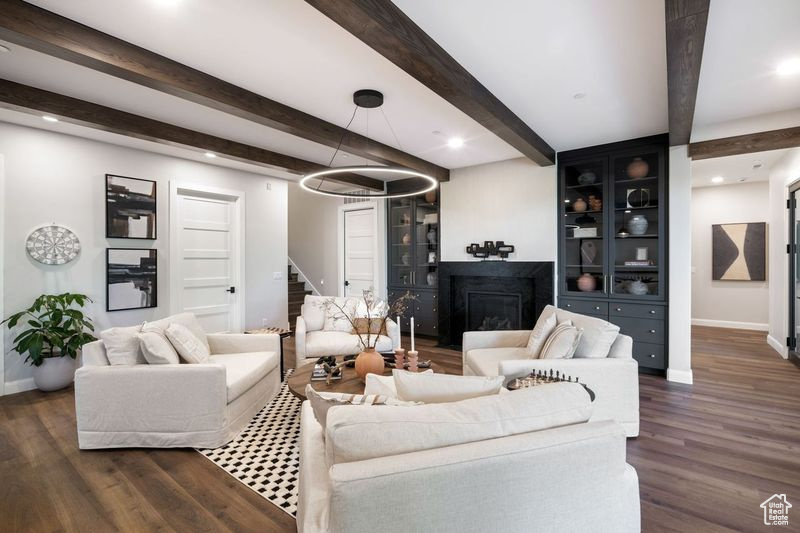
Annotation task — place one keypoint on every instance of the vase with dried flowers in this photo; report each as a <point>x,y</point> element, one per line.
<point>368,320</point>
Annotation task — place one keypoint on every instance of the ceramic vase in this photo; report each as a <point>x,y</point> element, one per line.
<point>406,259</point>
<point>579,206</point>
<point>637,168</point>
<point>54,373</point>
<point>637,225</point>
<point>430,197</point>
<point>431,236</point>
<point>638,287</point>
<point>587,283</point>
<point>406,239</point>
<point>431,279</point>
<point>368,362</point>
<point>587,177</point>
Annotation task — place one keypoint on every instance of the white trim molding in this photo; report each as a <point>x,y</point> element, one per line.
<point>679,376</point>
<point>302,277</point>
<point>755,326</point>
<point>379,229</point>
<point>21,385</point>
<point>778,346</point>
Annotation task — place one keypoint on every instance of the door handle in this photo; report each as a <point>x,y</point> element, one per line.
<point>346,283</point>
<point>231,290</point>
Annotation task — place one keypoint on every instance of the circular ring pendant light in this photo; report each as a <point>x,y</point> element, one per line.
<point>315,181</point>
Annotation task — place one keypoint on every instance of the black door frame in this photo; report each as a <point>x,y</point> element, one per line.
<point>793,249</point>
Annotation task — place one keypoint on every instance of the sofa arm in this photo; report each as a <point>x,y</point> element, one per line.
<point>150,398</point>
<point>300,342</point>
<point>474,340</point>
<point>393,331</point>
<point>223,343</point>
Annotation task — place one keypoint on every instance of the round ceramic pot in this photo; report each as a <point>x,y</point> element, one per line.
<point>579,206</point>
<point>638,287</point>
<point>54,373</point>
<point>431,279</point>
<point>432,236</point>
<point>637,168</point>
<point>406,239</point>
<point>406,259</point>
<point>430,197</point>
<point>587,177</point>
<point>368,362</point>
<point>587,283</point>
<point>637,225</point>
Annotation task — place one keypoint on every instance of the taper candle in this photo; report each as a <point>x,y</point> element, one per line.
<point>399,333</point>
<point>412,334</point>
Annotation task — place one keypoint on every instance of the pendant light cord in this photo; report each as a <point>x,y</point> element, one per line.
<point>341,140</point>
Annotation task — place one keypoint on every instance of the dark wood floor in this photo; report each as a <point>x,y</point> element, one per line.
<point>708,455</point>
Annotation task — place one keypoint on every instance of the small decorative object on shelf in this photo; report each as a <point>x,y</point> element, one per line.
<point>431,236</point>
<point>53,245</point>
<point>579,205</point>
<point>641,253</point>
<point>405,259</point>
<point>595,203</point>
<point>586,282</point>
<point>637,168</point>
<point>490,248</point>
<point>406,239</point>
<point>637,225</point>
<point>646,262</point>
<point>583,233</point>
<point>588,252</point>
<point>638,197</point>
<point>431,279</point>
<point>587,177</point>
<point>431,257</point>
<point>430,196</point>
<point>431,218</point>
<point>638,286</point>
<point>405,219</point>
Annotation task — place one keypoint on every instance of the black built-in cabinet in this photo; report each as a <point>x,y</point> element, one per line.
<point>612,236</point>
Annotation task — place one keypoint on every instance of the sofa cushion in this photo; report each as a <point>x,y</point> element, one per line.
<point>321,402</point>
<point>562,342</point>
<point>243,370</point>
<point>545,325</point>
<point>314,312</point>
<point>187,320</point>
<point>354,433</point>
<point>157,349</point>
<point>485,361</point>
<point>186,343</point>
<point>122,345</point>
<point>442,388</point>
<point>597,337</point>
<point>319,343</point>
<point>383,385</point>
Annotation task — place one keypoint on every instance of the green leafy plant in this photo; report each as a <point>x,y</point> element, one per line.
<point>54,326</point>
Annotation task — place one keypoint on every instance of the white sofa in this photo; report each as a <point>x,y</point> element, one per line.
<point>562,479</point>
<point>175,405</point>
<point>614,379</point>
<point>312,341</point>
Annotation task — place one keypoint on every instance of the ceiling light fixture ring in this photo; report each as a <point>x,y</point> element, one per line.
<point>322,174</point>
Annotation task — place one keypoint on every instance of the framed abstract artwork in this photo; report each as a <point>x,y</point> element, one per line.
<point>130,208</point>
<point>131,279</point>
<point>739,252</point>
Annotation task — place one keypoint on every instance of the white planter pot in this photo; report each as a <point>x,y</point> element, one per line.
<point>55,373</point>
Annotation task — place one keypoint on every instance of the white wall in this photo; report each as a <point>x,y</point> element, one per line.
<point>513,201</point>
<point>54,178</point>
<point>735,304</point>
<point>680,265</point>
<point>782,174</point>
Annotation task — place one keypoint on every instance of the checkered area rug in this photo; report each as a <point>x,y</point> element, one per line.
<point>265,455</point>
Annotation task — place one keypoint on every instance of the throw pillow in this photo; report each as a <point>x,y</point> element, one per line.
<point>322,401</point>
<point>375,326</point>
<point>562,342</point>
<point>597,337</point>
<point>545,325</point>
<point>336,319</point>
<point>441,388</point>
<point>384,385</point>
<point>191,349</point>
<point>122,346</point>
<point>157,349</point>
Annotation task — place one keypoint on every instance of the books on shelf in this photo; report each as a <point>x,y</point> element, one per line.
<point>584,232</point>
<point>646,262</point>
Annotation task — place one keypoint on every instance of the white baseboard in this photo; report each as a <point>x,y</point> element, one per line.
<point>679,376</point>
<point>21,385</point>
<point>755,326</point>
<point>778,346</point>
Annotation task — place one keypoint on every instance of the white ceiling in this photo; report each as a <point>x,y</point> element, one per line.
<point>734,168</point>
<point>745,41</point>
<point>534,55</point>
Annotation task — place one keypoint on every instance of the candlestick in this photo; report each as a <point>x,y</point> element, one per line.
<point>399,358</point>
<point>413,359</point>
<point>399,334</point>
<point>412,335</point>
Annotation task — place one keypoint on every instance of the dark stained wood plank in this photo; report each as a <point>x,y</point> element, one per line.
<point>36,28</point>
<point>686,32</point>
<point>707,456</point>
<point>386,29</point>
<point>30,99</point>
<point>746,144</point>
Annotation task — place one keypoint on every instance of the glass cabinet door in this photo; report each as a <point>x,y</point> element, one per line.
<point>426,219</point>
<point>637,246</point>
<point>583,220</point>
<point>401,246</point>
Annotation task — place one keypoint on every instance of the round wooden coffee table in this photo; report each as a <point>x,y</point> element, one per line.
<point>349,384</point>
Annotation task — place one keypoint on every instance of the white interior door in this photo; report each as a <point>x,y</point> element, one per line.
<point>208,260</point>
<point>359,251</point>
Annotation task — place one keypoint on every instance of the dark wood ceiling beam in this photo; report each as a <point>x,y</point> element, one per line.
<point>386,29</point>
<point>746,144</point>
<point>686,22</point>
<point>36,28</point>
<point>30,99</point>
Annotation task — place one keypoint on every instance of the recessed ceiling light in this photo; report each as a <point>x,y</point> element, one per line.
<point>757,164</point>
<point>4,49</point>
<point>788,67</point>
<point>742,179</point>
<point>455,142</point>
<point>436,132</point>
<point>566,201</point>
<point>717,179</point>
<point>211,155</point>
<point>48,118</point>
<point>578,96</point>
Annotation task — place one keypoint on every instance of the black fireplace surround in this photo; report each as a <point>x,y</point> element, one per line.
<point>490,295</point>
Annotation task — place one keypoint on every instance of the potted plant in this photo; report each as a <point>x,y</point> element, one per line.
<point>53,330</point>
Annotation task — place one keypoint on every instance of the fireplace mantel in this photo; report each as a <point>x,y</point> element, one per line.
<point>456,276</point>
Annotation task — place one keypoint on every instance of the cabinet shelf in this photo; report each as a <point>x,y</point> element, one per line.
<point>645,236</point>
<point>636,208</point>
<point>637,180</point>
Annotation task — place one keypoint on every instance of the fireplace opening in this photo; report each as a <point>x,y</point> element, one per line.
<point>490,311</point>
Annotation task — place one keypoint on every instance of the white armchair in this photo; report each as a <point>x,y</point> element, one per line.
<point>614,379</point>
<point>313,341</point>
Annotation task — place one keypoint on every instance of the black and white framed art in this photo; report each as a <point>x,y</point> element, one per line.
<point>131,279</point>
<point>130,208</point>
